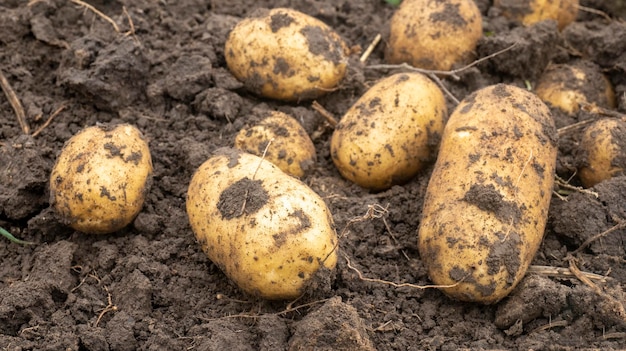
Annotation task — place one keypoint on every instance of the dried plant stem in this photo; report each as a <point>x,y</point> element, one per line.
<point>327,115</point>
<point>15,103</point>
<point>47,123</point>
<point>563,272</point>
<point>453,73</point>
<point>370,48</point>
<point>396,285</point>
<point>564,184</point>
<point>620,225</point>
<point>97,12</point>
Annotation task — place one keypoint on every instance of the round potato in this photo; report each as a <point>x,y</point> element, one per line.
<point>101,177</point>
<point>267,231</point>
<point>286,55</point>
<point>569,86</point>
<point>290,147</point>
<point>486,204</point>
<point>388,135</point>
<point>530,12</point>
<point>434,34</point>
<point>603,151</point>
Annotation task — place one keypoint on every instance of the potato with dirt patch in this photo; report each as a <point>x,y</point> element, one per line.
<point>487,200</point>
<point>101,177</point>
<point>434,34</point>
<point>391,132</point>
<point>529,12</point>
<point>267,231</point>
<point>288,145</point>
<point>287,55</point>
<point>568,86</point>
<point>603,151</point>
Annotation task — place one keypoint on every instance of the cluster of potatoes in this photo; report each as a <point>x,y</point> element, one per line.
<point>494,155</point>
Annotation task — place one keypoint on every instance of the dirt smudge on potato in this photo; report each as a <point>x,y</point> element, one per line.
<point>245,196</point>
<point>450,14</point>
<point>322,43</point>
<point>505,252</point>
<point>280,20</point>
<point>487,198</point>
<point>304,224</point>
<point>281,66</point>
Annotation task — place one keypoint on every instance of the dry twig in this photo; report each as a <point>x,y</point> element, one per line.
<point>562,272</point>
<point>620,225</point>
<point>370,48</point>
<point>97,12</point>
<point>327,115</point>
<point>15,103</point>
<point>54,114</point>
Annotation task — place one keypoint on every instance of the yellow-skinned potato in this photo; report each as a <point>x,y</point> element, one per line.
<point>388,135</point>
<point>291,148</point>
<point>286,55</point>
<point>434,34</point>
<point>487,201</point>
<point>603,148</point>
<point>568,86</point>
<point>267,231</point>
<point>101,177</point>
<point>529,12</point>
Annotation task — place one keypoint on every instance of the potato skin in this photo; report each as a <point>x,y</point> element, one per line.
<point>286,55</point>
<point>530,12</point>
<point>487,201</point>
<point>434,34</point>
<point>100,179</point>
<point>603,150</point>
<point>291,148</point>
<point>388,135</point>
<point>272,244</point>
<point>568,86</point>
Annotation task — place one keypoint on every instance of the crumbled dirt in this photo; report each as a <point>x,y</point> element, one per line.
<point>150,286</point>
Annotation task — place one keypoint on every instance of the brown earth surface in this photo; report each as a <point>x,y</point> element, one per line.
<point>150,287</point>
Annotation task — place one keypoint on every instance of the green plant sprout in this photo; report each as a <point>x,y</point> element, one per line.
<point>393,2</point>
<point>8,235</point>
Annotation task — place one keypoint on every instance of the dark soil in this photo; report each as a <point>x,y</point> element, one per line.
<point>150,287</point>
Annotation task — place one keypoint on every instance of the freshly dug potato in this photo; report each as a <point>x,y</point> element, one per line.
<point>434,34</point>
<point>267,231</point>
<point>567,86</point>
<point>487,201</point>
<point>603,151</point>
<point>101,177</point>
<point>286,55</point>
<point>388,135</point>
<point>291,149</point>
<point>529,12</point>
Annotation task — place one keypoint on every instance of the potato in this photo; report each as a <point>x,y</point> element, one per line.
<point>286,55</point>
<point>603,151</point>
<point>291,149</point>
<point>434,34</point>
<point>530,12</point>
<point>487,200</point>
<point>267,231</point>
<point>100,178</point>
<point>567,86</point>
<point>388,135</point>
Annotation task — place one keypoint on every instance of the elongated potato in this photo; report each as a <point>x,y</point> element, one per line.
<point>487,201</point>
<point>267,231</point>
<point>391,132</point>
<point>285,54</point>
<point>291,148</point>
<point>603,151</point>
<point>101,177</point>
<point>434,34</point>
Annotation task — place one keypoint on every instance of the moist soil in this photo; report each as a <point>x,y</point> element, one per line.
<point>150,286</point>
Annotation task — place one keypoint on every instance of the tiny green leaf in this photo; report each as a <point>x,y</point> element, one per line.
<point>394,2</point>
<point>8,235</point>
